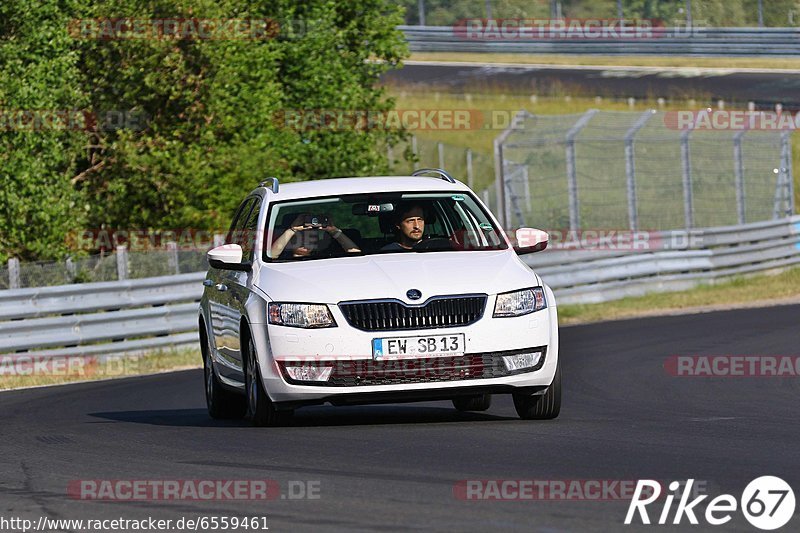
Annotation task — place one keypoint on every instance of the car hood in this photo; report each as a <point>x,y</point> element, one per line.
<point>391,275</point>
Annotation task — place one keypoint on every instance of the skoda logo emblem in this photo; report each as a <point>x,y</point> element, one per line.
<point>413,294</point>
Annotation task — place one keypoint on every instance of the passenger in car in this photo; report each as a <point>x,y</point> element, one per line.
<point>305,246</point>
<point>409,227</point>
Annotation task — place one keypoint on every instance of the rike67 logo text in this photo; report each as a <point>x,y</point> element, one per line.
<point>767,503</point>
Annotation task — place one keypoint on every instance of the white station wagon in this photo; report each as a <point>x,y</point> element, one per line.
<point>375,290</point>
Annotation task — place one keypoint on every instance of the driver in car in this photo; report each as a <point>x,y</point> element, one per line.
<point>409,226</point>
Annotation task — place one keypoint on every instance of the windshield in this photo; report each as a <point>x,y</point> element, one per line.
<point>367,224</point>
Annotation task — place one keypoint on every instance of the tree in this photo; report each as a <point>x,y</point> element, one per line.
<point>180,126</point>
<point>41,133</point>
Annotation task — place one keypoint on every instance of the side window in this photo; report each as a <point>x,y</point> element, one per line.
<point>241,213</point>
<point>250,231</point>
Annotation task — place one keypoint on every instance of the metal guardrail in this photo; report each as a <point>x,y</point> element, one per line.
<point>101,318</point>
<point>111,318</point>
<point>779,42</point>
<point>675,260</point>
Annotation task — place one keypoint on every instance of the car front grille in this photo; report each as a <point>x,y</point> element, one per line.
<point>365,372</point>
<point>391,315</point>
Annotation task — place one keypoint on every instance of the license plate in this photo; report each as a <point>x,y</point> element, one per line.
<point>429,346</point>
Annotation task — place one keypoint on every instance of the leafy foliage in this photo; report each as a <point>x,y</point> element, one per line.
<point>197,116</point>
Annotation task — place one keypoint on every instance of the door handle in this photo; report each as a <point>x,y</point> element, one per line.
<point>220,287</point>
<point>208,283</point>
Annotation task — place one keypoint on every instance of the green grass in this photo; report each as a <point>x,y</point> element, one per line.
<point>741,290</point>
<point>79,369</point>
<point>638,61</point>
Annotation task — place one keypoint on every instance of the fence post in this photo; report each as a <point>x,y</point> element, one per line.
<point>415,151</point>
<point>784,188</point>
<point>686,167</point>
<point>789,172</point>
<point>172,248</point>
<point>122,262</point>
<point>630,168</point>
<point>499,181</point>
<point>13,273</point>
<point>738,166</point>
<point>440,149</point>
<point>389,156</point>
<point>572,176</point>
<point>71,270</point>
<point>526,186</point>
<point>470,175</point>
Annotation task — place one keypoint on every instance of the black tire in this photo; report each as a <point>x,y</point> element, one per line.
<point>222,404</point>
<point>544,406</point>
<point>260,409</point>
<point>480,402</point>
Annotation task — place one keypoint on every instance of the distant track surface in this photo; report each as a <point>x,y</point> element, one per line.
<point>393,467</point>
<point>765,88</point>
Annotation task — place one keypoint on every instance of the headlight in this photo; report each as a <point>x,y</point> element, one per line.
<point>301,315</point>
<point>518,303</point>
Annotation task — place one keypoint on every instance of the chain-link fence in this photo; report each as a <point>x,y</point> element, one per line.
<point>474,168</point>
<point>106,267</point>
<point>637,170</point>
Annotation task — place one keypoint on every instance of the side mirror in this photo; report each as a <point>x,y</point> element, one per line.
<point>529,240</point>
<point>228,257</point>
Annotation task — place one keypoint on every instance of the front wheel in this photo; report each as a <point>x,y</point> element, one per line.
<point>221,403</point>
<point>541,407</point>
<point>480,402</point>
<point>260,409</point>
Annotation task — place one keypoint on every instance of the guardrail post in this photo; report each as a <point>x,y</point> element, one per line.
<point>122,262</point>
<point>13,273</point>
<point>572,176</point>
<point>415,151</point>
<point>686,167</point>
<point>440,149</point>
<point>172,248</point>
<point>738,165</point>
<point>470,175</point>
<point>630,168</point>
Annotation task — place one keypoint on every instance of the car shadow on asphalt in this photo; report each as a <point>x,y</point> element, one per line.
<point>312,416</point>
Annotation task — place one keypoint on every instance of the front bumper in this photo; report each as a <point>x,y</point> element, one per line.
<point>361,379</point>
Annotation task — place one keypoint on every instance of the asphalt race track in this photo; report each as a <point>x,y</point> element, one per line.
<point>764,88</point>
<point>393,467</point>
